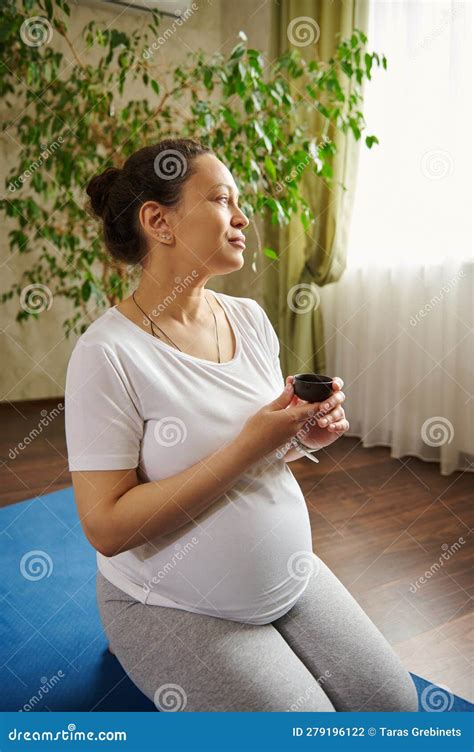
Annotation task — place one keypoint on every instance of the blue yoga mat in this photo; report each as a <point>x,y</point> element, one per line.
<point>53,651</point>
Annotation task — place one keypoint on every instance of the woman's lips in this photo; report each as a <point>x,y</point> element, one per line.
<point>238,244</point>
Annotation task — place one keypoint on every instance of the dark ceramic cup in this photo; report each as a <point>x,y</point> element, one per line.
<point>312,387</point>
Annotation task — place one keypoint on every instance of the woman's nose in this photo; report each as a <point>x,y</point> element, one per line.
<point>240,219</point>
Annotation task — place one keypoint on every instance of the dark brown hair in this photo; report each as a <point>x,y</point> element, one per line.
<point>153,173</point>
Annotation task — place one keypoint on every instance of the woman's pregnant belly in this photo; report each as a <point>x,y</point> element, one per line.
<point>247,558</point>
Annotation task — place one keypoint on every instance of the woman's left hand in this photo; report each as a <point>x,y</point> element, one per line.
<point>331,421</point>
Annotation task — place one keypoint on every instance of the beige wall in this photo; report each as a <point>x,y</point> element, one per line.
<point>35,355</point>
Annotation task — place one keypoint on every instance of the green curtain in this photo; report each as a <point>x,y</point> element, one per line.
<point>309,260</point>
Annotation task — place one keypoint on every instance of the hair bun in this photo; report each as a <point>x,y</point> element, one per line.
<point>99,187</point>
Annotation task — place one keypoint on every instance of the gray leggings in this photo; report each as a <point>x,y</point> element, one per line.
<point>324,654</point>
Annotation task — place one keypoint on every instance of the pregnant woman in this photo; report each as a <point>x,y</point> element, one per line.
<point>178,431</point>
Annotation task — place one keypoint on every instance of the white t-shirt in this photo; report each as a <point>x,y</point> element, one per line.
<point>133,401</point>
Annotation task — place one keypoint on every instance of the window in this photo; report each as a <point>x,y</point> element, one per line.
<point>413,196</point>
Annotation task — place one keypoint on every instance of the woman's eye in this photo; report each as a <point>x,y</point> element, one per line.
<point>226,198</point>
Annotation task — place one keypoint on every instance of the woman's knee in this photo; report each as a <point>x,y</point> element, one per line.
<point>313,700</point>
<point>406,698</point>
<point>398,694</point>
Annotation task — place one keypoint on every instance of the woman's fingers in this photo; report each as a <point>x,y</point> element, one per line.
<point>332,417</point>
<point>340,426</point>
<point>303,412</point>
<point>333,401</point>
<point>337,383</point>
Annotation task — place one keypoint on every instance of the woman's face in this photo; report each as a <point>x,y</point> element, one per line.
<point>208,219</point>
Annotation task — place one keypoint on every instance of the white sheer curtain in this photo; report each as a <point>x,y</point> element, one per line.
<point>399,322</point>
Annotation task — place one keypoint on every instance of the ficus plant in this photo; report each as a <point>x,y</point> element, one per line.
<point>72,118</point>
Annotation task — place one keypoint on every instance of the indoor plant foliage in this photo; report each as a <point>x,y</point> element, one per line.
<point>76,118</point>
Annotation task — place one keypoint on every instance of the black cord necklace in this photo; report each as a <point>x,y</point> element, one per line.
<point>166,335</point>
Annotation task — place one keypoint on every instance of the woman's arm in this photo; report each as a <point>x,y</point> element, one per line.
<point>118,513</point>
<point>292,454</point>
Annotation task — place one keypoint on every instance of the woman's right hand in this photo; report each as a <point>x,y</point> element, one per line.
<point>276,424</point>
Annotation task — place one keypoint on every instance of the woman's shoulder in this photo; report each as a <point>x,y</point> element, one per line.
<point>105,332</point>
<point>246,306</point>
<point>249,312</point>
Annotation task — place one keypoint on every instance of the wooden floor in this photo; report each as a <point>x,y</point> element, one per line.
<point>379,523</point>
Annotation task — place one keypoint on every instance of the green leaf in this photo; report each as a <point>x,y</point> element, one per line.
<point>270,167</point>
<point>258,123</point>
<point>237,52</point>
<point>207,78</point>
<point>270,253</point>
<point>370,140</point>
<point>368,64</point>
<point>229,118</point>
<point>86,290</point>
